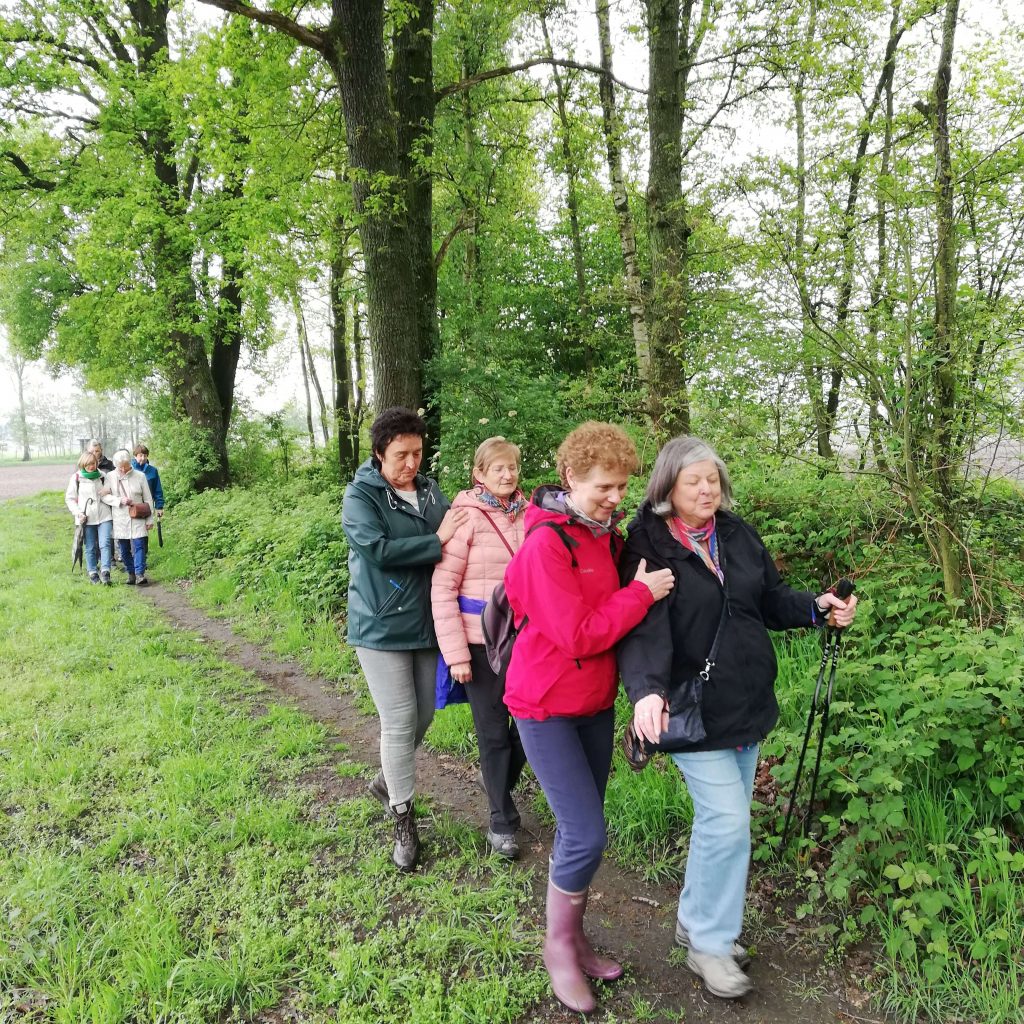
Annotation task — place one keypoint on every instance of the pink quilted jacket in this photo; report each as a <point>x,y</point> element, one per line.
<point>472,565</point>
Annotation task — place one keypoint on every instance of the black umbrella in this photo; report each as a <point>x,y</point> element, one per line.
<point>78,541</point>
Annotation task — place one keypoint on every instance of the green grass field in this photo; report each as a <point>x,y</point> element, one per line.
<point>162,860</point>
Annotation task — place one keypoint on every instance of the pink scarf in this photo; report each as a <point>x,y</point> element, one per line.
<point>701,540</point>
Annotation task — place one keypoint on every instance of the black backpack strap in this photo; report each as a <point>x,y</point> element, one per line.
<point>569,543</point>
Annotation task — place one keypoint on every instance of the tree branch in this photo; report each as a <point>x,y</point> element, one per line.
<point>511,69</point>
<point>313,38</point>
<point>27,173</point>
<point>460,225</point>
<point>73,54</point>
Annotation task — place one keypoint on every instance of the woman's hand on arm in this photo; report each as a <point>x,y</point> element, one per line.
<point>650,717</point>
<point>658,581</point>
<point>453,519</point>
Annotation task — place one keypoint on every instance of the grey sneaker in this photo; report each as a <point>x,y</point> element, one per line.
<point>720,974</point>
<point>94,577</point>
<point>503,845</point>
<point>739,953</point>
<point>378,789</point>
<point>141,580</point>
<point>131,580</point>
<point>105,578</point>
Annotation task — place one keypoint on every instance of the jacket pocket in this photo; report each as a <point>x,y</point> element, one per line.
<point>397,592</point>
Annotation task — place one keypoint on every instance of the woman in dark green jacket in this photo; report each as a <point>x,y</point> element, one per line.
<point>396,521</point>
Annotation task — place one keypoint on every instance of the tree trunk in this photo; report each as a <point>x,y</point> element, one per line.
<point>18,364</point>
<point>346,429</point>
<point>355,53</point>
<point>300,330</point>
<point>946,440</point>
<point>572,176</point>
<point>620,200</point>
<point>314,376</point>
<point>196,387</point>
<point>667,216</point>
<point>809,340</point>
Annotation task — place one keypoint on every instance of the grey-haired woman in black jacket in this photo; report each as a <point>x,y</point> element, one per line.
<point>684,524</point>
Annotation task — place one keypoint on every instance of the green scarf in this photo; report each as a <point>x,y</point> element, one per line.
<point>87,475</point>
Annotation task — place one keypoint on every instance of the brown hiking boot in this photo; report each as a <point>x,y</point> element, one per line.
<point>407,839</point>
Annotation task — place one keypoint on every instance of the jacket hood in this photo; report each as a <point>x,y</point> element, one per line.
<point>547,502</point>
<point>369,475</point>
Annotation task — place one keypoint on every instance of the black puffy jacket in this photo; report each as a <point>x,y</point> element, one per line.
<point>672,642</point>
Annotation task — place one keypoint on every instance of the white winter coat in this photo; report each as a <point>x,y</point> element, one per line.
<point>86,496</point>
<point>135,486</point>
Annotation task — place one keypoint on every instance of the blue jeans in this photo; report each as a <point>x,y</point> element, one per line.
<point>133,554</point>
<point>721,785</point>
<point>98,537</point>
<point>571,758</point>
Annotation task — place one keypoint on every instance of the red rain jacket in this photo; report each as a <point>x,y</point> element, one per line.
<point>563,661</point>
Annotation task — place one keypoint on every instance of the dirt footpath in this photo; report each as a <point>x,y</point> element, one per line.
<point>628,917</point>
<point>24,479</point>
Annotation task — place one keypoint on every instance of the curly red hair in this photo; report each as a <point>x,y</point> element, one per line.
<point>596,444</point>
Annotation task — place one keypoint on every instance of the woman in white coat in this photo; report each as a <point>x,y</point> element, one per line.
<point>85,498</point>
<point>129,487</point>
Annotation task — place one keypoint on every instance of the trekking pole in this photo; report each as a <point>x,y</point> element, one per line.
<point>830,649</point>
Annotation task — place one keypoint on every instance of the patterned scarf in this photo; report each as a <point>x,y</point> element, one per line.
<point>701,540</point>
<point>510,507</point>
<point>595,525</point>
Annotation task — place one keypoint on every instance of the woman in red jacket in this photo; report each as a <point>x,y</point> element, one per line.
<point>562,677</point>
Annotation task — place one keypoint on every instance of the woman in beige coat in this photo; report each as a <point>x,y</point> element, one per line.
<point>127,487</point>
<point>472,565</point>
<point>85,498</point>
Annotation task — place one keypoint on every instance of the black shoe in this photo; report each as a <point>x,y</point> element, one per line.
<point>94,577</point>
<point>141,581</point>
<point>407,840</point>
<point>105,577</point>
<point>131,580</point>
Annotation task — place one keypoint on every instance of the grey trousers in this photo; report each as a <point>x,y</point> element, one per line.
<point>402,687</point>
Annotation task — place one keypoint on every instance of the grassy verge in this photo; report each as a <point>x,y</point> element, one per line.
<point>162,857</point>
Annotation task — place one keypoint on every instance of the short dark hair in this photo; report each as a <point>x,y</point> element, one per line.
<point>140,448</point>
<point>392,423</point>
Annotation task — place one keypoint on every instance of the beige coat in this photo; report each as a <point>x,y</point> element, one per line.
<point>135,486</point>
<point>87,496</point>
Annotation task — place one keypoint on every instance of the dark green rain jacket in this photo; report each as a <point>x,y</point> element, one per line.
<point>392,551</point>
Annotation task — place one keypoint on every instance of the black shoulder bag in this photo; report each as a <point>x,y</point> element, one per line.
<point>685,722</point>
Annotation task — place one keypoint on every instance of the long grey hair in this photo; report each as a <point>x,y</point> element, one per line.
<point>677,454</point>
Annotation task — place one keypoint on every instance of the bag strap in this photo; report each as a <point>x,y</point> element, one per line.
<point>709,661</point>
<point>494,527</point>
<point>563,536</point>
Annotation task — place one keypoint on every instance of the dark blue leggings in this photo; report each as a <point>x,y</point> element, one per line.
<point>571,758</point>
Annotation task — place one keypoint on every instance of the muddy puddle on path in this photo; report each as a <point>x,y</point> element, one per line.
<point>628,917</point>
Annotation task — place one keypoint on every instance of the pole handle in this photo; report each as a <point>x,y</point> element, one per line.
<point>843,589</point>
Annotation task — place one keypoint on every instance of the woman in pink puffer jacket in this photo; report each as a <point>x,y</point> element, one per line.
<point>472,565</point>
